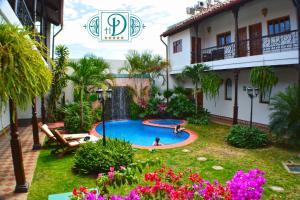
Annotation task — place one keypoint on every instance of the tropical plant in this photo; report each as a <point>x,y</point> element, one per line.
<point>72,117</point>
<point>285,117</point>
<point>247,137</point>
<point>59,79</point>
<point>90,72</point>
<point>202,118</point>
<point>201,75</point>
<point>180,106</point>
<point>94,158</point>
<point>23,71</point>
<point>143,64</point>
<point>263,78</point>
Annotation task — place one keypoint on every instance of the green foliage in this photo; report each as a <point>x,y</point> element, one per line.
<point>246,137</point>
<point>97,114</point>
<point>72,117</point>
<point>285,117</point>
<point>201,75</point>
<point>23,72</point>
<point>168,93</point>
<point>90,72</point>
<point>202,118</point>
<point>152,111</point>
<point>59,80</point>
<point>181,90</point>
<point>134,111</point>
<point>93,158</point>
<point>180,106</point>
<point>210,84</point>
<point>263,78</point>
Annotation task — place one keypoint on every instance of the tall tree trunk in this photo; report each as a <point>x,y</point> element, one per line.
<point>195,96</point>
<point>81,109</point>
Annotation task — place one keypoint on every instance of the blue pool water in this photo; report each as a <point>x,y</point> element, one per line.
<point>167,121</point>
<point>135,132</point>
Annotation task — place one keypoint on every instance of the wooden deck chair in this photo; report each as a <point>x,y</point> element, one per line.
<point>64,145</point>
<point>45,129</point>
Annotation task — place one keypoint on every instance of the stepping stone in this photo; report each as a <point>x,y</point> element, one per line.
<point>217,167</point>
<point>202,159</point>
<point>276,188</point>
<point>186,150</point>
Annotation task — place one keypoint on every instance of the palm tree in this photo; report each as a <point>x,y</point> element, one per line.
<point>59,79</point>
<point>285,119</point>
<point>201,75</point>
<point>90,72</point>
<point>143,64</point>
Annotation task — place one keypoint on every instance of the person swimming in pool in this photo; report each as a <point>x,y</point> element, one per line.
<point>178,129</point>
<point>156,142</point>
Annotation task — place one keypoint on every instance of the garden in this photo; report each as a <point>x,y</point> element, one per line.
<point>237,162</point>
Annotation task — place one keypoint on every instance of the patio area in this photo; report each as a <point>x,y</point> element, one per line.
<point>7,177</point>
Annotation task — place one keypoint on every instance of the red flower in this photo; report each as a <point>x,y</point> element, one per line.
<point>83,189</point>
<point>75,192</point>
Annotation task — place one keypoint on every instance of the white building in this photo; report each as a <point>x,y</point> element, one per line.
<point>267,31</point>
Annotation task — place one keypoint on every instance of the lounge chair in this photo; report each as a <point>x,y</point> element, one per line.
<point>45,129</point>
<point>65,145</point>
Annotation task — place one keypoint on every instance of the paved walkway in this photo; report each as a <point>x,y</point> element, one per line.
<point>7,177</point>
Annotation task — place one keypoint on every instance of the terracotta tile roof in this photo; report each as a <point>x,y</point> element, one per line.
<point>198,17</point>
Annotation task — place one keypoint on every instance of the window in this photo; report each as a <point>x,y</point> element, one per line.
<point>279,25</point>
<point>265,98</point>
<point>223,39</point>
<point>177,46</point>
<point>228,89</point>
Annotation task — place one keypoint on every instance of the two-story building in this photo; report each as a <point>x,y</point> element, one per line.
<point>232,38</point>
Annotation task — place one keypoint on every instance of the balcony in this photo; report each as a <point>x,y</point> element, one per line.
<point>256,46</point>
<point>22,12</point>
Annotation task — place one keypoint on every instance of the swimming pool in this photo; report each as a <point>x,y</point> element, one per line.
<point>167,122</point>
<point>135,132</point>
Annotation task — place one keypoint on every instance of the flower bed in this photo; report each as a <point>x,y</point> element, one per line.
<point>164,183</point>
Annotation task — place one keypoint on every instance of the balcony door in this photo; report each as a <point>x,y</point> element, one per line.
<point>243,42</point>
<point>196,50</point>
<point>255,36</point>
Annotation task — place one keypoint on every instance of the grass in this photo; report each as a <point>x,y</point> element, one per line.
<point>54,175</point>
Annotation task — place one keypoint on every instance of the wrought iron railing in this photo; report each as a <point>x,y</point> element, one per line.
<point>257,46</point>
<point>23,14</point>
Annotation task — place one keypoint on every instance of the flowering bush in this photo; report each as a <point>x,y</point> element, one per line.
<point>166,184</point>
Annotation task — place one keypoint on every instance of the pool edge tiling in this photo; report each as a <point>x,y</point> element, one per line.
<point>192,137</point>
<point>148,122</point>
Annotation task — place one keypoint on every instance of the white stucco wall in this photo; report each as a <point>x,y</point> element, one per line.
<point>261,112</point>
<point>183,58</point>
<point>4,118</point>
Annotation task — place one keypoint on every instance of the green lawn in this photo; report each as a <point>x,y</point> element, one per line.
<point>54,175</point>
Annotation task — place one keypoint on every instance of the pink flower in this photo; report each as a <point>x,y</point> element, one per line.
<point>122,168</point>
<point>100,175</point>
<point>111,169</point>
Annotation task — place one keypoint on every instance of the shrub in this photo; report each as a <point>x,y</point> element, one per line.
<point>72,117</point>
<point>246,137</point>
<point>134,111</point>
<point>202,118</point>
<point>180,106</point>
<point>93,158</point>
<point>285,117</point>
<point>97,114</point>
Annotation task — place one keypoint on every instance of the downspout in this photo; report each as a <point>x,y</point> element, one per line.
<point>167,58</point>
<point>53,39</point>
